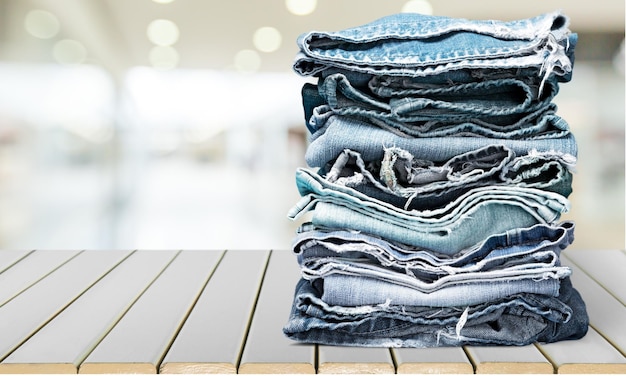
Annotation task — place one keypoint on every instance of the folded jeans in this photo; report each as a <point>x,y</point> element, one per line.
<point>403,45</point>
<point>411,183</point>
<point>519,319</point>
<point>462,223</point>
<point>332,134</point>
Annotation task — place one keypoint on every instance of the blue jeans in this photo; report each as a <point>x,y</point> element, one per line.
<point>503,108</point>
<point>517,252</point>
<point>357,289</point>
<point>415,184</point>
<point>332,134</point>
<point>357,269</point>
<point>519,319</point>
<point>461,224</point>
<point>514,247</point>
<point>539,124</point>
<point>411,44</point>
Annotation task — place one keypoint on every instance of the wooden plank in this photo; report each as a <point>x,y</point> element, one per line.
<point>11,257</point>
<point>267,349</point>
<point>28,312</point>
<point>212,338</point>
<point>606,314</point>
<point>30,270</point>
<point>139,341</point>
<point>450,360</point>
<point>354,360</point>
<point>61,345</point>
<point>590,354</point>
<point>605,266</point>
<point>508,359</point>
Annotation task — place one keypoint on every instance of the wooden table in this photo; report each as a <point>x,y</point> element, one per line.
<point>223,312</point>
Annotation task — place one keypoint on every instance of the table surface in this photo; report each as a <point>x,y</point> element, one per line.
<point>223,312</point>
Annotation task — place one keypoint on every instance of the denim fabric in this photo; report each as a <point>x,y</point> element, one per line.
<point>540,124</point>
<point>506,107</point>
<point>414,184</point>
<point>333,134</point>
<point>385,279</point>
<point>439,170</point>
<point>356,290</point>
<point>462,223</point>
<point>410,44</point>
<point>534,248</point>
<point>518,319</point>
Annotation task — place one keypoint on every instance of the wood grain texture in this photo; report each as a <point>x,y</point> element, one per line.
<point>64,342</point>
<point>267,349</point>
<point>37,368</point>
<point>445,360</point>
<point>508,359</point>
<point>139,341</point>
<point>354,360</point>
<point>212,338</point>
<point>24,315</point>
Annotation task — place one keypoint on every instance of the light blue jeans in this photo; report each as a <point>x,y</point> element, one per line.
<point>358,289</point>
<point>461,224</point>
<point>332,134</point>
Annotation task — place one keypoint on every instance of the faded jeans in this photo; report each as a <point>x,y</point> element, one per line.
<point>332,134</point>
<point>462,223</point>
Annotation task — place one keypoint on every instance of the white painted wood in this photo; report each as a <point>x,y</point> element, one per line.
<point>212,338</point>
<point>606,314</point>
<point>590,354</point>
<point>607,266</point>
<point>11,257</point>
<point>28,312</point>
<point>508,359</point>
<point>450,360</point>
<point>267,349</point>
<point>29,270</point>
<point>65,309</point>
<point>354,360</point>
<point>140,339</point>
<point>61,345</point>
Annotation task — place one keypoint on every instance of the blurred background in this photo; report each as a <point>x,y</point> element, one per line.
<point>177,124</point>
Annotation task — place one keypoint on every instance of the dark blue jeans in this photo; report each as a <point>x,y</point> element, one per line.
<point>518,320</point>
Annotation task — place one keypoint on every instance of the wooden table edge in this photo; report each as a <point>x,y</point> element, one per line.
<point>515,367</point>
<point>38,368</point>
<point>428,368</point>
<point>352,368</point>
<point>197,368</point>
<point>590,368</point>
<point>112,368</point>
<point>277,368</point>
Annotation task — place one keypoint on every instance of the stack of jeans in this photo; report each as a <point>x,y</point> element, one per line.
<point>438,173</point>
